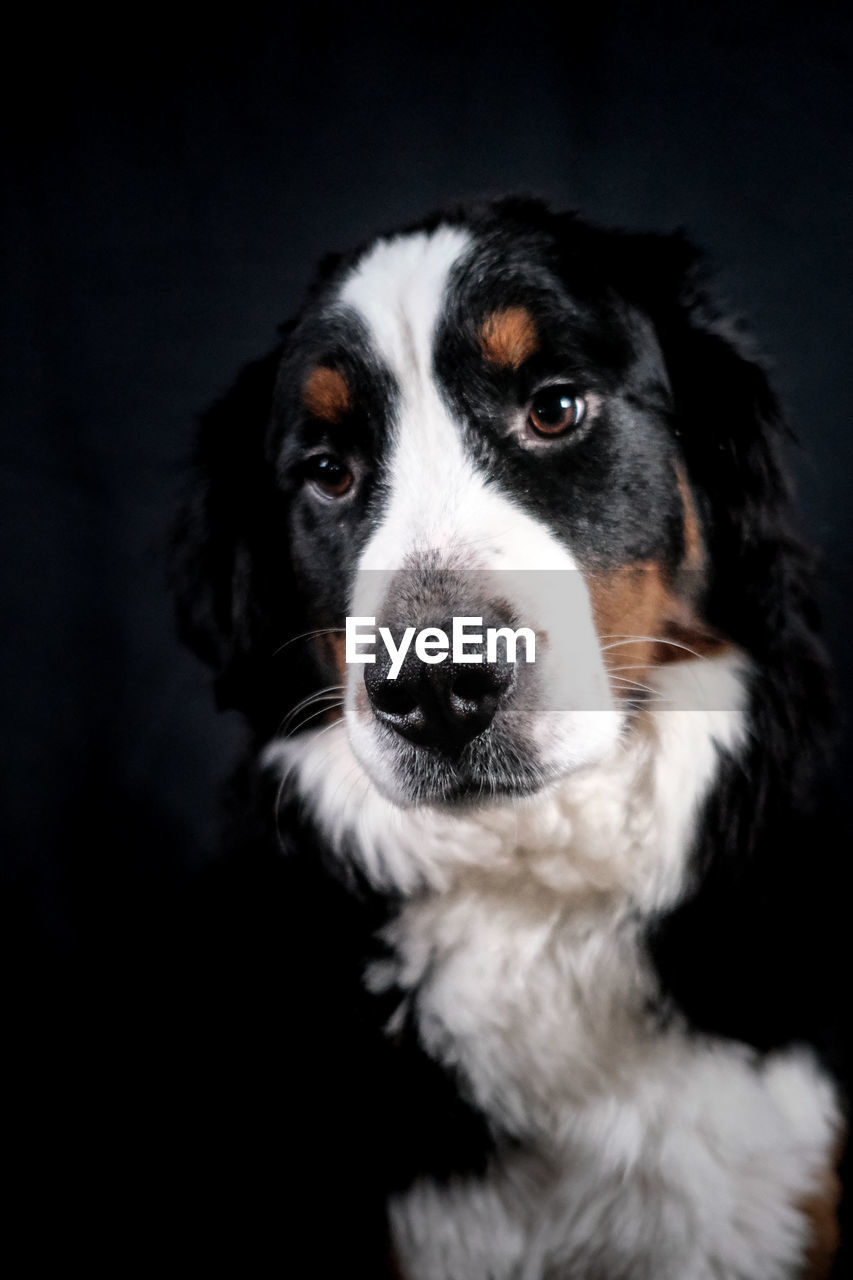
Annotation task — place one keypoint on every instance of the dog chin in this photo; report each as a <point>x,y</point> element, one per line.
<point>491,769</point>
<point>442,783</point>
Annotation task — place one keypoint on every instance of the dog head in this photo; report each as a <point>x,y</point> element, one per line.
<point>501,414</point>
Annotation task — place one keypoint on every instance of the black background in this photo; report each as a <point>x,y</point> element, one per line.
<point>172,180</point>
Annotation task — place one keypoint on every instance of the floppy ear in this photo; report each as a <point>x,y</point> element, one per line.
<point>730,429</point>
<point>731,432</point>
<point>230,567</point>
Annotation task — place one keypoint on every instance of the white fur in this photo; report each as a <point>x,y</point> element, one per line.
<point>692,1172</point>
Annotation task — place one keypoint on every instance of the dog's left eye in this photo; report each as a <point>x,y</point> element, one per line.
<point>555,410</point>
<point>329,474</point>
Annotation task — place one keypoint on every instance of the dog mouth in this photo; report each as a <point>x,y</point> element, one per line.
<point>522,751</point>
<point>489,768</point>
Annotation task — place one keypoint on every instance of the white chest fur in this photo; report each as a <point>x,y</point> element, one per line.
<point>644,1153</point>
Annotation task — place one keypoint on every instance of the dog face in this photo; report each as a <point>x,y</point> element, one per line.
<point>497,415</point>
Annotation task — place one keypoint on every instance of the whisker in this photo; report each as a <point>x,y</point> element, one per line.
<point>330,691</point>
<point>638,688</point>
<point>624,683</point>
<point>640,701</point>
<point>676,644</point>
<point>280,793</point>
<point>318,693</point>
<point>308,635</point>
<point>322,711</point>
<point>354,768</point>
<point>316,765</point>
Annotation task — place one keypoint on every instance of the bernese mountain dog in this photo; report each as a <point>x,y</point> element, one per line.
<point>565,934</point>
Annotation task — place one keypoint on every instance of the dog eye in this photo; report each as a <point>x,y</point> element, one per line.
<point>555,410</point>
<point>329,474</point>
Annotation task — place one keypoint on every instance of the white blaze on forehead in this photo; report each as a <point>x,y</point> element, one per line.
<point>398,289</point>
<point>439,500</point>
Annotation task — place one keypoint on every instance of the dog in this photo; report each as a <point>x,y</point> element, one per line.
<point>576,948</point>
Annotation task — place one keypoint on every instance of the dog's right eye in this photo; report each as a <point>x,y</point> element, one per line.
<point>555,411</point>
<point>328,475</point>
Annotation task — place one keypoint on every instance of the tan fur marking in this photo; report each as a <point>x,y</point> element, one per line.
<point>508,337</point>
<point>694,551</point>
<point>638,601</point>
<point>331,648</point>
<point>629,602</point>
<point>336,648</point>
<point>688,636</point>
<point>326,394</point>
<point>821,1210</point>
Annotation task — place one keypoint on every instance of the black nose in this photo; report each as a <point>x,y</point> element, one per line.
<point>438,705</point>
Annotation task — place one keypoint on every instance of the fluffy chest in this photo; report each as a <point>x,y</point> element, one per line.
<point>537,1007</point>
<point>639,1150</point>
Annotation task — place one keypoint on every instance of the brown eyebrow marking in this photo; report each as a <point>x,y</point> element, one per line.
<point>326,394</point>
<point>509,337</point>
